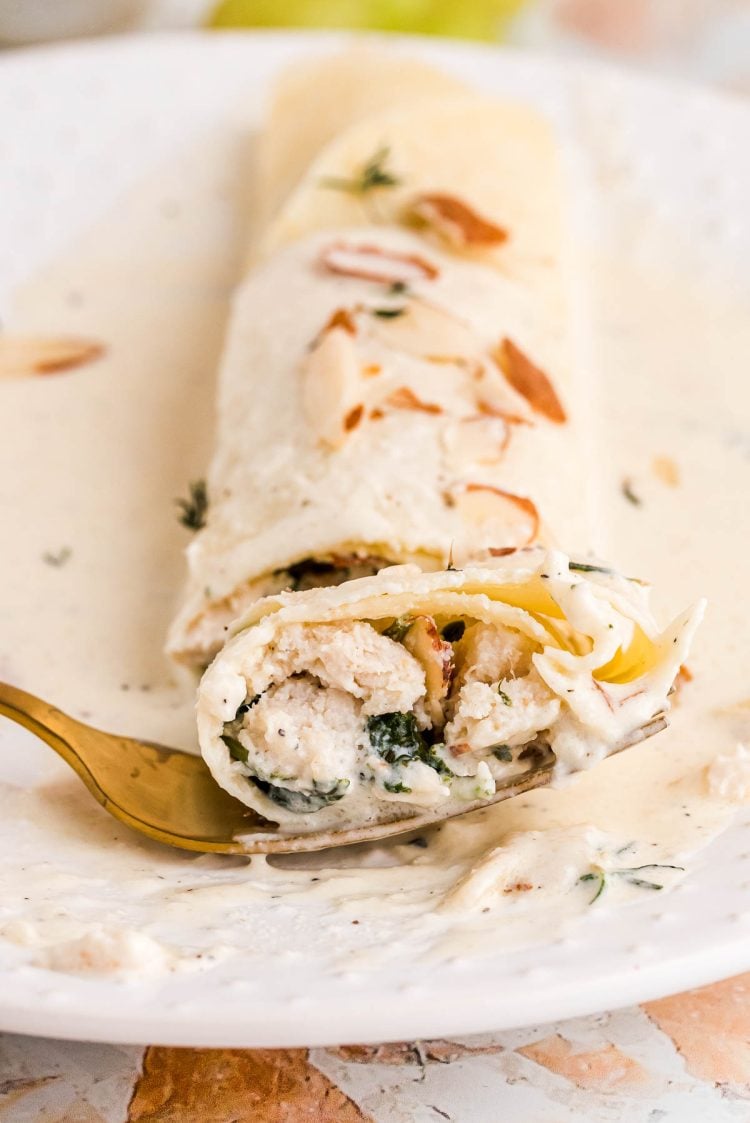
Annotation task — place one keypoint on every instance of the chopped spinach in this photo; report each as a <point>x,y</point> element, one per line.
<point>247,705</point>
<point>430,756</point>
<point>306,569</point>
<point>237,750</point>
<point>302,803</point>
<point>398,629</point>
<point>397,789</point>
<point>397,739</point>
<point>454,631</point>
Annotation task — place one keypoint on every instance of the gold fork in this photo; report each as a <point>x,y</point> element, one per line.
<point>170,796</point>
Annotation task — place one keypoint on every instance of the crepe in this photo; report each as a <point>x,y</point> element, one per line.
<point>396,385</point>
<point>406,692</point>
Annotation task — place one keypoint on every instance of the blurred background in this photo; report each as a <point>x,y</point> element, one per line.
<point>707,40</point>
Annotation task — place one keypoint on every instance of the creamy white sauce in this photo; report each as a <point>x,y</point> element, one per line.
<point>115,443</point>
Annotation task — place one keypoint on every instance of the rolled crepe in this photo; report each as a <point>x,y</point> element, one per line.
<point>407,692</point>
<point>396,385</point>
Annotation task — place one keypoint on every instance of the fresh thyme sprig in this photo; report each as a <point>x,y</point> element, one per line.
<point>600,876</point>
<point>193,510</point>
<point>630,494</point>
<point>58,558</point>
<point>388,313</point>
<point>375,174</point>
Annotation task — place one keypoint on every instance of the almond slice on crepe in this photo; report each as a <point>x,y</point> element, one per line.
<point>529,381</point>
<point>455,221</point>
<point>24,356</point>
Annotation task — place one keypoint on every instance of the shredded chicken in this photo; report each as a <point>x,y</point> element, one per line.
<point>353,657</point>
<point>301,732</point>
<point>489,654</point>
<point>509,713</point>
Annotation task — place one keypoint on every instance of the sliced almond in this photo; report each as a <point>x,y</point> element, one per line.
<point>475,440</point>
<point>666,470</point>
<point>331,387</point>
<point>488,409</point>
<point>374,263</point>
<point>513,519</point>
<point>405,398</point>
<point>529,381</point>
<point>455,221</point>
<point>353,418</point>
<point>24,356</point>
<point>436,658</point>
<point>341,318</point>
<point>429,332</point>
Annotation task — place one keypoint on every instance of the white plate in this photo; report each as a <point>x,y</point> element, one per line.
<point>92,123</point>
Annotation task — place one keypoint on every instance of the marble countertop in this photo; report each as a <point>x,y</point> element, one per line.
<point>684,1059</point>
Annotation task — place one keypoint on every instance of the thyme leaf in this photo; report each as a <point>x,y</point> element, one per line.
<point>193,510</point>
<point>627,872</point>
<point>388,313</point>
<point>505,698</point>
<point>583,567</point>
<point>503,752</point>
<point>57,558</point>
<point>630,495</point>
<point>600,877</point>
<point>374,174</point>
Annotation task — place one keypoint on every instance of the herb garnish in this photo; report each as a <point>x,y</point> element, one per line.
<point>398,288</point>
<point>398,740</point>
<point>388,313</point>
<point>505,698</point>
<point>630,495</point>
<point>247,705</point>
<point>237,750</point>
<point>398,629</point>
<point>583,567</point>
<point>397,789</point>
<point>395,737</point>
<point>58,559</point>
<point>600,877</point>
<point>503,752</point>
<point>303,803</point>
<point>373,175</point>
<point>193,510</point>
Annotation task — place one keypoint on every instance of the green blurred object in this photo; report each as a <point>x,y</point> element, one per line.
<point>463,19</point>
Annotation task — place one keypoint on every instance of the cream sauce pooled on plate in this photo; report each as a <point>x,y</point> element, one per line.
<point>91,464</point>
